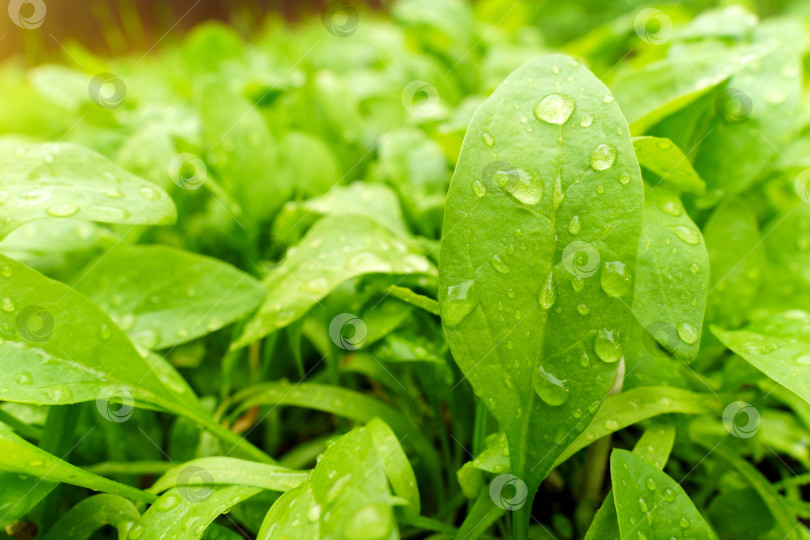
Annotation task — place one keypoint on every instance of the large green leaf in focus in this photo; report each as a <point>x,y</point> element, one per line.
<point>93,513</point>
<point>335,249</point>
<point>538,255</point>
<point>163,297</point>
<point>650,504</point>
<point>59,180</point>
<point>672,275</point>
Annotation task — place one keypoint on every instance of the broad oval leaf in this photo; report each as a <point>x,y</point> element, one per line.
<point>58,180</point>
<point>335,249</point>
<point>668,165</point>
<point>163,297</point>
<point>650,504</point>
<point>538,255</point>
<point>673,275</point>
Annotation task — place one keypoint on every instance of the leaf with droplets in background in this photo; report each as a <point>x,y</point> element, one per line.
<point>93,513</point>
<point>668,165</point>
<point>755,114</point>
<point>778,346</point>
<point>59,348</point>
<point>226,470</point>
<point>672,275</point>
<point>346,496</point>
<point>58,180</point>
<point>616,413</point>
<point>20,456</point>
<point>540,237</point>
<point>649,94</point>
<point>336,249</point>
<point>650,504</point>
<point>653,447</point>
<point>737,261</point>
<point>187,511</point>
<point>163,297</point>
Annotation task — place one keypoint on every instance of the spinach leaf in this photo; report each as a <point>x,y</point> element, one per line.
<point>535,309</point>
<point>651,504</point>
<point>668,165</point>
<point>778,346</point>
<point>336,249</point>
<point>163,297</point>
<point>673,275</point>
<point>346,496</point>
<point>59,180</point>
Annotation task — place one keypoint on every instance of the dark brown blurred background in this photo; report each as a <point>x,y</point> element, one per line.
<point>118,27</point>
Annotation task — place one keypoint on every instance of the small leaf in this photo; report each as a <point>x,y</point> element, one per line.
<point>59,180</point>
<point>347,496</point>
<point>673,275</point>
<point>335,249</point>
<point>778,346</point>
<point>651,504</point>
<point>20,456</point>
<point>737,260</point>
<point>93,513</point>
<point>225,470</point>
<point>668,165</point>
<point>163,297</point>
<point>653,447</point>
<point>186,512</point>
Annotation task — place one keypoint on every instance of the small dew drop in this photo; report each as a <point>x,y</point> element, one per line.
<point>548,295</point>
<point>688,333</point>
<point>602,157</point>
<point>574,225</point>
<point>583,309</point>
<point>499,265</point>
<point>554,109</point>
<point>488,139</point>
<point>62,210</point>
<point>479,188</point>
<point>688,235</point>
<point>586,120</point>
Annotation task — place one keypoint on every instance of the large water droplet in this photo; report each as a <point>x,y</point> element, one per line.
<point>688,333</point>
<point>803,359</point>
<point>607,345</point>
<point>548,295</point>
<point>602,157</point>
<point>62,210</point>
<point>554,108</point>
<point>459,303</point>
<point>689,235</point>
<point>479,188</point>
<point>671,207</point>
<point>550,389</point>
<point>488,139</point>
<point>615,279</point>
<point>586,120</point>
<point>522,185</point>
